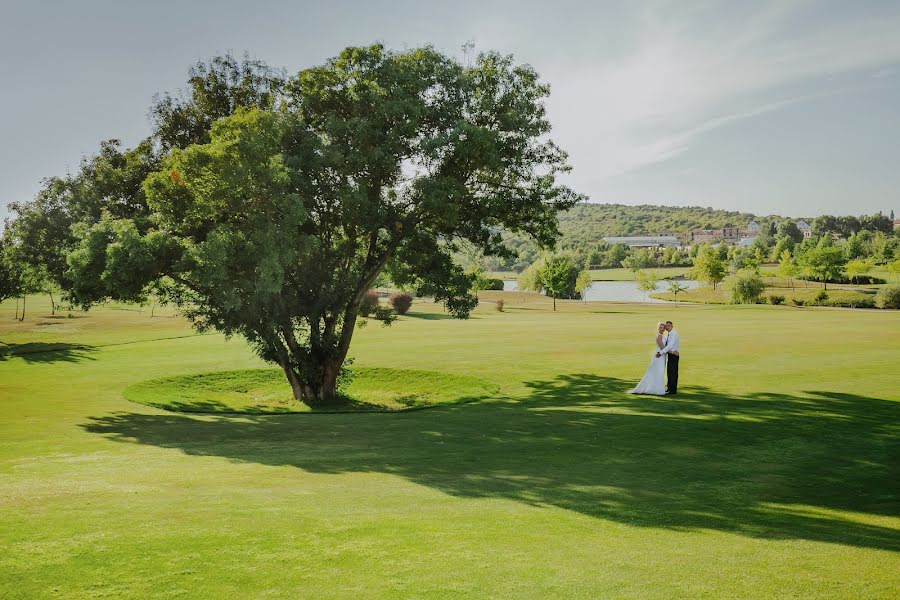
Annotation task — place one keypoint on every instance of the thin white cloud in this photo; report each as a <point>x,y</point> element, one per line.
<point>685,76</point>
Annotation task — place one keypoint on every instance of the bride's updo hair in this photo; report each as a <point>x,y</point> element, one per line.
<point>658,325</point>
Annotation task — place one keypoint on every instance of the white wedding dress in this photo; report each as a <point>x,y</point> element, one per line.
<point>654,381</point>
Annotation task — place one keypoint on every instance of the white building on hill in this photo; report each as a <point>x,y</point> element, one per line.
<point>645,241</point>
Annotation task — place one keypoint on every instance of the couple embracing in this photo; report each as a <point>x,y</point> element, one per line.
<point>663,363</point>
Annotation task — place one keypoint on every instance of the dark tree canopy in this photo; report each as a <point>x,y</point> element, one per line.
<point>47,229</point>
<point>275,223</point>
<point>215,89</point>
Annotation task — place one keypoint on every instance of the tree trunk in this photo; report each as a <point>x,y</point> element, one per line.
<point>52,303</point>
<point>23,309</point>
<point>320,393</point>
<point>296,387</point>
<point>17,309</point>
<point>554,302</point>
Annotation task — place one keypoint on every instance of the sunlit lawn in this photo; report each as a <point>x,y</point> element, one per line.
<point>773,474</point>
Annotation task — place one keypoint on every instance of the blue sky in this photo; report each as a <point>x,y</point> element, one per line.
<point>786,106</point>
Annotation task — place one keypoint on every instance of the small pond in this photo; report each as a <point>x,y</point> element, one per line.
<point>614,291</point>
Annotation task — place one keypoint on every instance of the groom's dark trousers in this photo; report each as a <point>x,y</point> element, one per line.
<point>672,374</point>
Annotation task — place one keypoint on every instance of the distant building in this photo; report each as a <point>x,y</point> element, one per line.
<point>896,223</point>
<point>706,236</point>
<point>645,241</point>
<point>803,225</point>
<point>729,235</point>
<point>746,242</point>
<point>753,227</point>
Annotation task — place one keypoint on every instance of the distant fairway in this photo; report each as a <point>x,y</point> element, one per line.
<point>774,473</point>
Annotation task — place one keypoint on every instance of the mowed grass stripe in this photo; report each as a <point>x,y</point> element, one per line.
<point>774,473</point>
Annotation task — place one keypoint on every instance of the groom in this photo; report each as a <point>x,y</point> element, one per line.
<point>671,347</point>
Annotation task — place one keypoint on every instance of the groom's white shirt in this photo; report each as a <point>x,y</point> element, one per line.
<point>673,343</point>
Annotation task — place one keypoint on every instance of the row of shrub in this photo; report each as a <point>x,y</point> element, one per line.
<point>858,280</point>
<point>399,301</point>
<point>888,297</point>
<point>747,287</point>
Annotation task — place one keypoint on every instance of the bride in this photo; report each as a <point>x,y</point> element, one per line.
<point>654,381</point>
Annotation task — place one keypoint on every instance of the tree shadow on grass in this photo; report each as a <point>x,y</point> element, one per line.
<point>763,465</point>
<point>46,352</point>
<point>430,316</point>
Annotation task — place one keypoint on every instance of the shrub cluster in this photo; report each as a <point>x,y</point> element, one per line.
<point>745,287</point>
<point>369,303</point>
<point>494,285</point>
<point>843,279</point>
<point>499,304</point>
<point>852,301</point>
<point>776,299</point>
<point>401,302</point>
<point>888,297</point>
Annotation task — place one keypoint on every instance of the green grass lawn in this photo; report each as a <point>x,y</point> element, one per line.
<point>262,391</point>
<point>773,474</point>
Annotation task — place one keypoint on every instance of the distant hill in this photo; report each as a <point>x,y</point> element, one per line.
<point>588,223</point>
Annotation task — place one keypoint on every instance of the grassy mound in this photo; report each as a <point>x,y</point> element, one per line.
<point>263,391</point>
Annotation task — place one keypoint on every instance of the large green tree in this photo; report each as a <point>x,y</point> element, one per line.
<point>823,262</point>
<point>111,181</point>
<point>709,266</point>
<point>275,228</point>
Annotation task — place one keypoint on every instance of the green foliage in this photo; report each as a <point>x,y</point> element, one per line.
<point>583,282</point>
<point>638,260</point>
<point>857,267</point>
<point>888,297</point>
<point>275,223</point>
<point>854,247</point>
<point>494,284</point>
<point>821,297</point>
<point>826,225</point>
<point>788,229</point>
<point>788,267</point>
<point>11,272</point>
<point>776,299</point>
<point>587,224</point>
<point>709,266</point>
<point>530,279</point>
<point>401,302</point>
<point>894,268</point>
<point>556,275</point>
<point>782,244</point>
<point>824,262</point>
<point>111,182</point>
<point>676,288</point>
<point>369,303</point>
<point>647,282</point>
<point>745,287</point>
<point>559,276</point>
<point>216,89</point>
